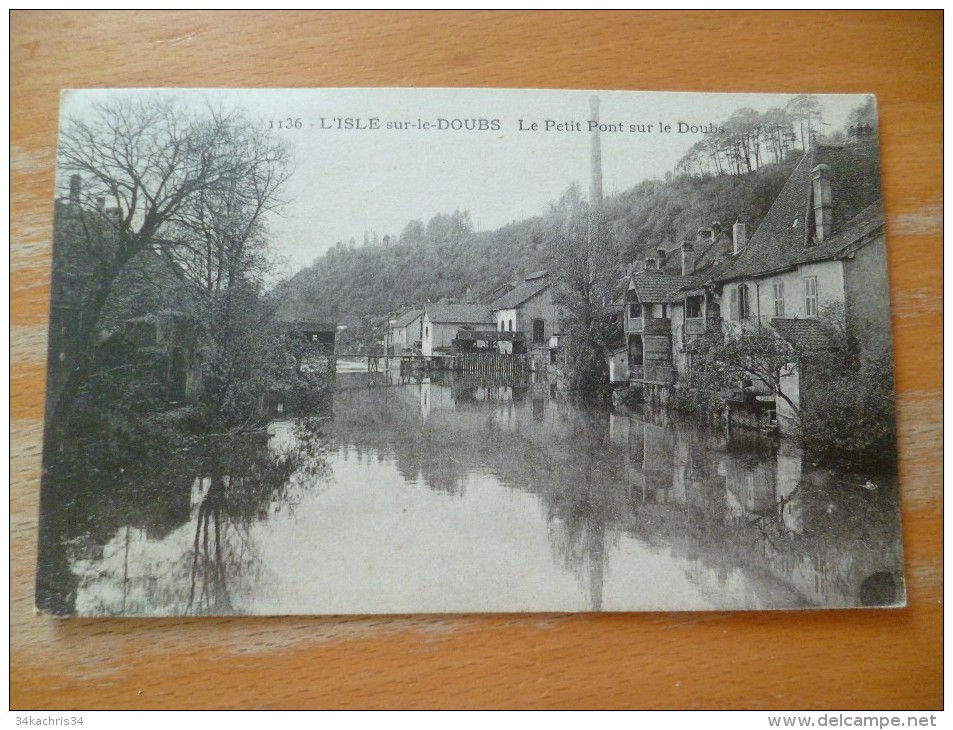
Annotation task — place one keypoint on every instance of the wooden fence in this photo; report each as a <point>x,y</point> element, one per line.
<point>493,364</point>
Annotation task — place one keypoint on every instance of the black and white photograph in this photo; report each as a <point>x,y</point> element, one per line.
<point>376,351</point>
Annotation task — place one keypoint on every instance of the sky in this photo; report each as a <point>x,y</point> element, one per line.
<point>364,161</point>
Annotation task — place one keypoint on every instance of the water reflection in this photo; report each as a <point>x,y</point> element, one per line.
<point>448,493</point>
<point>174,534</point>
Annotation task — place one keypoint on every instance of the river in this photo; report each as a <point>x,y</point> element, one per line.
<point>446,493</point>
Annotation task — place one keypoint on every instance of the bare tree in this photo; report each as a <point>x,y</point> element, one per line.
<point>153,176</point>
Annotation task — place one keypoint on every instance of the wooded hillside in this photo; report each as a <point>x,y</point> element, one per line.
<point>446,258</point>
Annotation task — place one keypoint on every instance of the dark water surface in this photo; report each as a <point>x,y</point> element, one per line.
<point>451,494</point>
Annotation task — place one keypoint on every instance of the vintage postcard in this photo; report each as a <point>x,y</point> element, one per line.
<point>467,350</point>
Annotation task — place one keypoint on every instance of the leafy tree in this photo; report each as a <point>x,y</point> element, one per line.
<point>582,271</point>
<point>865,114</point>
<point>732,358</point>
<point>848,414</point>
<point>805,111</point>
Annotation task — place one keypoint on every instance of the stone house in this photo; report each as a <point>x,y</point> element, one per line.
<point>821,246</point>
<point>406,332</point>
<point>441,322</point>
<point>647,323</point>
<point>528,308</point>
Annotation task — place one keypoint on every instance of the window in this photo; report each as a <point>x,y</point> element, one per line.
<point>810,296</point>
<point>426,331</point>
<point>779,299</point>
<point>539,330</point>
<point>664,311</point>
<point>511,325</point>
<point>501,325</point>
<point>738,305</point>
<point>693,307</point>
<point>635,310</point>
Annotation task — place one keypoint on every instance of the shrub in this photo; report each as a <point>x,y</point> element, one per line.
<point>849,418</point>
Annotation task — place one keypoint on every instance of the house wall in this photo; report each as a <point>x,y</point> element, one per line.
<point>619,367</point>
<point>506,316</point>
<point>403,338</point>
<point>830,288</point>
<point>679,357</point>
<point>438,335</point>
<point>539,306</point>
<point>658,358</point>
<point>867,298</point>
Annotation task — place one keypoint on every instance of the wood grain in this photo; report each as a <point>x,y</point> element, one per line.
<point>852,659</point>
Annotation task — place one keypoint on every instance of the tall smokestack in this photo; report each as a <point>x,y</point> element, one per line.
<point>75,185</point>
<point>595,155</point>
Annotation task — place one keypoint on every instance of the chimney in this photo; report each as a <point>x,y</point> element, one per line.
<point>688,258</point>
<point>661,257</point>
<point>649,264</point>
<point>739,236</point>
<point>595,156</point>
<point>75,184</point>
<point>704,236</point>
<point>823,203</point>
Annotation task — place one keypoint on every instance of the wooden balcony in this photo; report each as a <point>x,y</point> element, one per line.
<point>659,373</point>
<point>652,373</point>
<point>648,325</point>
<point>694,326</point>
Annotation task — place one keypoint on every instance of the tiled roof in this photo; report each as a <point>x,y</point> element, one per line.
<point>515,297</point>
<point>868,221</point>
<point>656,286</point>
<point>804,334</point>
<point>460,313</point>
<point>707,253</point>
<point>782,239</point>
<point>408,318</point>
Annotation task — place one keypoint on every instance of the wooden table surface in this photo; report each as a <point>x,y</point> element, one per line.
<point>836,659</point>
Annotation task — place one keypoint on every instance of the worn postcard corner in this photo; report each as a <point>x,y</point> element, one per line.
<point>446,350</point>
